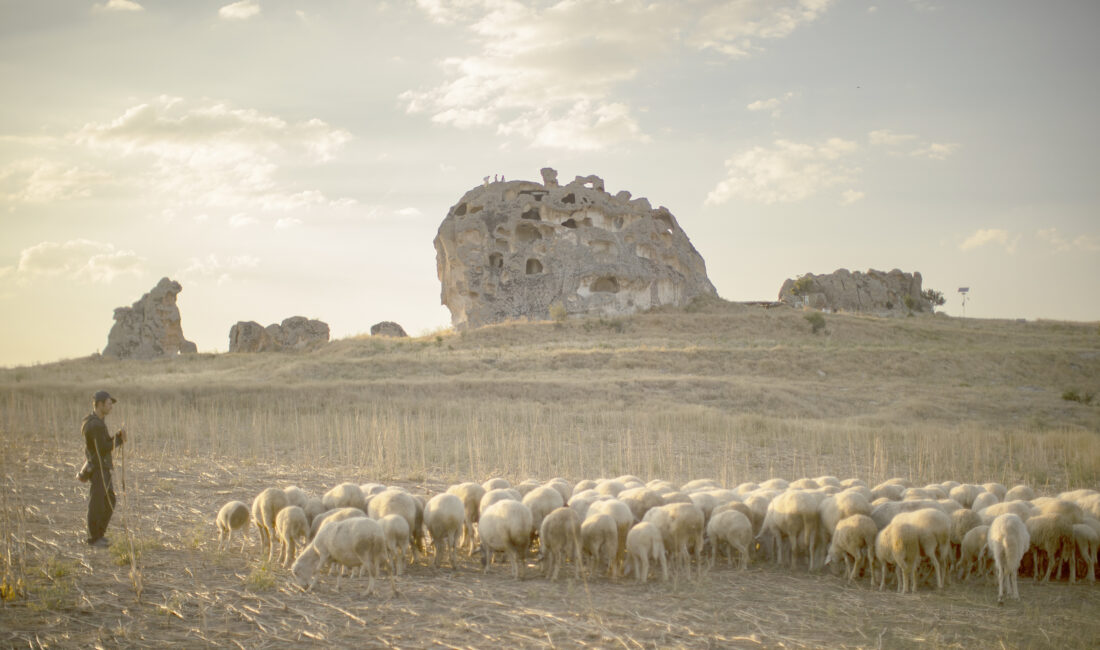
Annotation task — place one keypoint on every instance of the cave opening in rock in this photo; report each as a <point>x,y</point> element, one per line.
<point>532,214</point>
<point>527,233</point>
<point>534,266</point>
<point>496,260</point>
<point>570,223</point>
<point>606,284</point>
<point>569,198</point>
<point>460,210</point>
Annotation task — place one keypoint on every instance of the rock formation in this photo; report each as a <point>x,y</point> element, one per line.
<point>510,250</point>
<point>294,333</point>
<point>150,328</point>
<point>893,293</point>
<point>387,328</point>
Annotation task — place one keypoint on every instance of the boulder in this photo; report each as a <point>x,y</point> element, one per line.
<point>387,328</point>
<point>150,328</point>
<point>873,291</point>
<point>510,250</point>
<point>294,333</point>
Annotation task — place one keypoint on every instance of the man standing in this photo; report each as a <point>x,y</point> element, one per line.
<point>97,449</point>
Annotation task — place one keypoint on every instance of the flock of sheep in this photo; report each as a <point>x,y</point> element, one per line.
<point>622,526</point>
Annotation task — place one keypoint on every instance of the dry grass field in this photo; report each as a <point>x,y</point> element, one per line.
<point>716,390</point>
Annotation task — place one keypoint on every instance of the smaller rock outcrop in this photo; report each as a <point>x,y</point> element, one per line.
<point>387,328</point>
<point>894,293</point>
<point>150,328</point>
<point>294,333</point>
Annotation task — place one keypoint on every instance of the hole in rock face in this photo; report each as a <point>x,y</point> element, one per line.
<point>527,233</point>
<point>532,214</point>
<point>607,284</point>
<point>496,260</point>
<point>534,266</point>
<point>475,209</point>
<point>569,223</point>
<point>664,223</point>
<point>569,198</point>
<point>460,210</point>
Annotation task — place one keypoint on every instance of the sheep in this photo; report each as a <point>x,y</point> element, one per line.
<point>644,543</point>
<point>233,516</point>
<point>898,544</point>
<point>984,500</point>
<point>610,487</point>
<point>581,486</point>
<point>706,503</point>
<point>395,501</point>
<point>496,484</point>
<point>661,486</point>
<point>735,506</point>
<point>1008,541</point>
<point>395,532</point>
<point>853,539</point>
<point>265,507</point>
<point>290,525</point>
<point>996,489</point>
<point>675,497</point>
<point>922,493</point>
<point>564,487</point>
<point>962,520</point>
<point>630,480</point>
<point>974,552</point>
<point>700,484</point>
<point>581,502</point>
<point>793,518</point>
<point>1019,493</point>
<point>803,484</point>
<point>526,486</point>
<point>640,500</point>
<point>495,495</point>
<point>624,519</point>
<point>560,536</point>
<point>933,532</point>
<point>733,530</point>
<point>345,495</point>
<point>444,516</point>
<point>314,507</point>
<point>965,494</point>
<point>774,484</point>
<point>891,491</point>
<point>885,512</point>
<point>371,489</point>
<point>505,526</point>
<point>338,514</point>
<point>1086,542</point>
<point>1021,509</point>
<point>688,526</point>
<point>355,543</point>
<point>471,494</point>
<point>599,540</point>
<point>542,501</point>
<point>758,503</point>
<point>1061,507</point>
<point>1053,535</point>
<point>840,506</point>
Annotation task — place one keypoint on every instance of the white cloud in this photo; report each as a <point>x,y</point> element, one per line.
<point>221,270</point>
<point>996,236</point>
<point>409,212</point>
<point>787,172</point>
<point>78,259</point>
<point>242,10</point>
<point>936,150</point>
<point>1060,243</point>
<point>211,155</point>
<point>893,140</point>
<point>241,220</point>
<point>118,5</point>
<point>43,181</point>
<point>888,138</point>
<point>773,104</point>
<point>849,197</point>
<point>547,73</point>
<point>287,222</point>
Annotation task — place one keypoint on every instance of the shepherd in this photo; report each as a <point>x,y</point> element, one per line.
<point>98,445</point>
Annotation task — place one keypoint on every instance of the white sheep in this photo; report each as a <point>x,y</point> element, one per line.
<point>853,539</point>
<point>984,500</point>
<point>610,487</point>
<point>700,485</point>
<point>897,544</point>
<point>774,484</point>
<point>586,484</point>
<point>355,543</point>
<point>505,527</point>
<point>640,500</point>
<point>338,514</point>
<point>996,489</point>
<point>1021,509</point>
<point>1019,493</point>
<point>559,538</point>
<point>444,516</point>
<point>581,502</point>
<point>1087,542</point>
<point>733,531</point>
<point>962,520</point>
<point>471,494</point>
<point>396,534</point>
<point>644,543</point>
<point>265,507</point>
<point>1008,541</point>
<point>624,519</point>
<point>296,496</point>
<point>345,495</point>
<point>564,487</point>
<point>395,501</point>
<point>291,525</point>
<point>496,484</point>
<point>934,536</point>
<point>526,486</point>
<point>965,494</point>
<point>314,508</point>
<point>496,495</point>
<point>793,523</point>
<point>541,501</point>
<point>599,541</point>
<point>232,517</point>
<point>1053,536</point>
<point>974,552</point>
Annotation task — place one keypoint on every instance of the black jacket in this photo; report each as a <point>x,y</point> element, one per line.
<point>96,436</point>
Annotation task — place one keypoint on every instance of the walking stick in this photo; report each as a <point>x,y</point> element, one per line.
<point>135,572</point>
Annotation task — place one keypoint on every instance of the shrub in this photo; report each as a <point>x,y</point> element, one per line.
<point>558,312</point>
<point>816,321</point>
<point>803,285</point>
<point>1072,395</point>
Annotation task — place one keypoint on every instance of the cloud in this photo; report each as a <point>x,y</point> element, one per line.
<point>1080,243</point>
<point>118,5</point>
<point>409,212</point>
<point>935,150</point>
<point>888,138</point>
<point>893,140</point>
<point>287,222</point>
<point>211,155</point>
<point>221,270</point>
<point>786,172</point>
<point>78,259</point>
<point>995,236</point>
<point>849,197</point>
<point>43,181</point>
<point>772,104</point>
<point>547,73</point>
<point>242,10</point>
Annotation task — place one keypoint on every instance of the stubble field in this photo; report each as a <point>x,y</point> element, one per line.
<point>717,390</point>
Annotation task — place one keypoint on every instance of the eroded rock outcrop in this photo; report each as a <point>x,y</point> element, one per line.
<point>510,250</point>
<point>388,328</point>
<point>150,328</point>
<point>895,293</point>
<point>294,333</point>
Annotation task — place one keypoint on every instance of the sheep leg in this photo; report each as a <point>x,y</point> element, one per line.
<point>1050,565</point>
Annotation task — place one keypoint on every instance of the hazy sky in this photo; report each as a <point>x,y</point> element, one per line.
<point>294,157</point>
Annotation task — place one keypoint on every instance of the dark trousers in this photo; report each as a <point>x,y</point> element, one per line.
<point>101,504</point>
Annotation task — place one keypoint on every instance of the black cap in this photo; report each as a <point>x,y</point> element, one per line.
<point>103,396</point>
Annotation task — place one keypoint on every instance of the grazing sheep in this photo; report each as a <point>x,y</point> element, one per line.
<point>541,501</point>
<point>675,497</point>
<point>564,487</point>
<point>395,501</point>
<point>630,480</point>
<point>934,535</point>
<point>355,543</point>
<point>965,494</point>
<point>526,486</point>
<point>338,514</point>
<point>581,502</point>
<point>758,503</point>
<point>1087,542</point>
<point>599,541</point>
<point>644,543</point>
<point>624,519</point>
<point>296,496</point>
<point>1053,536</point>
<point>733,530</point>
<point>581,486</point>
<point>444,516</point>
<point>803,484</point>
<point>898,544</point>
<point>854,540</point>
<point>840,506</point>
<point>774,484</point>
<point>496,495</point>
<point>233,516</point>
<point>984,500</point>
<point>793,522</point>
<point>496,484</point>
<point>962,520</point>
<point>1008,541</point>
<point>891,491</point>
<point>699,485</point>
<point>661,486</point>
<point>371,489</point>
<point>395,532</point>
<point>1060,507</point>
<point>974,552</point>
<point>996,489</point>
<point>735,506</point>
<point>885,512</point>
<point>471,494</point>
<point>1019,493</point>
<point>560,536</point>
<point>505,527</point>
<point>314,507</point>
<point>290,525</point>
<point>265,507</point>
<point>706,502</point>
<point>1021,509</point>
<point>640,500</point>
<point>687,527</point>
<point>610,487</point>
<point>345,495</point>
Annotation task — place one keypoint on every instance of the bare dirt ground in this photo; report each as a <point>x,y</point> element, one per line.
<point>192,594</point>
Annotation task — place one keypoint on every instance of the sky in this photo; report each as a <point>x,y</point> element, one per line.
<point>294,157</point>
